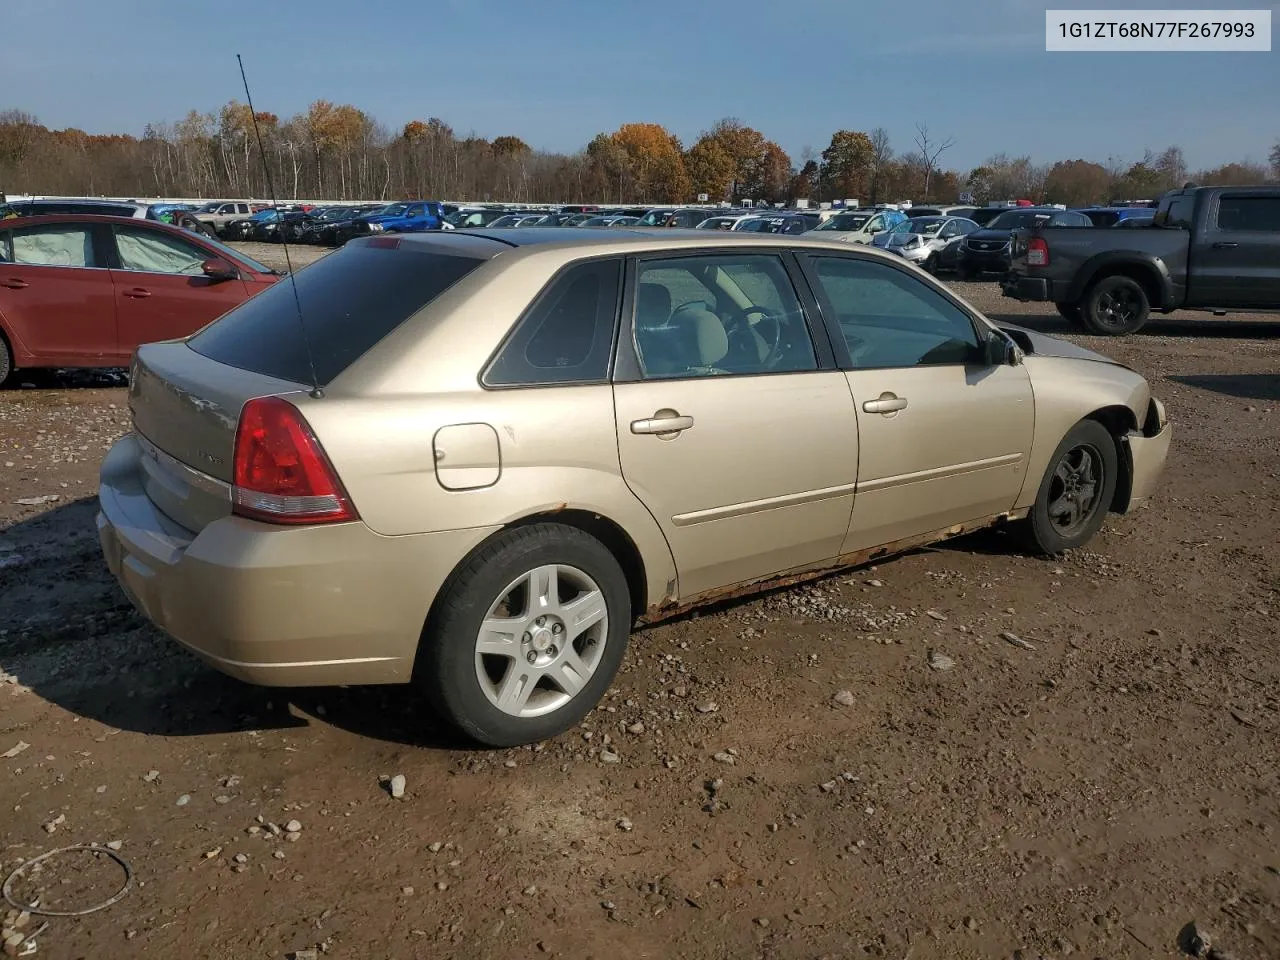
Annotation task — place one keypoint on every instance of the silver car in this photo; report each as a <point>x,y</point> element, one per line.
<point>923,240</point>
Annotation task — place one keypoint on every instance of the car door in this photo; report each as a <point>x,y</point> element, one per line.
<point>56,296</point>
<point>1235,261</point>
<point>943,435</point>
<point>734,427</point>
<point>160,288</point>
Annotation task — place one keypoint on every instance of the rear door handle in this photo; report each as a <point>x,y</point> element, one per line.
<point>1225,245</point>
<point>664,423</point>
<point>13,283</point>
<point>887,403</point>
<point>137,293</point>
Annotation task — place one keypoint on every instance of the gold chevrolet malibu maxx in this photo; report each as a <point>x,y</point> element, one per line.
<point>473,461</point>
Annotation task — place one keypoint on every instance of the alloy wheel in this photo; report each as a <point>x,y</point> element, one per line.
<point>1074,489</point>
<point>541,640</point>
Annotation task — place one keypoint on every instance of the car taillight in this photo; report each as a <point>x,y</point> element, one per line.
<point>281,473</point>
<point>1037,252</point>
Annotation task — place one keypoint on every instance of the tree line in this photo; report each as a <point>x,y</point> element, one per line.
<point>337,151</point>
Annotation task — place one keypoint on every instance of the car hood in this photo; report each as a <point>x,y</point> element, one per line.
<point>985,234</point>
<point>1039,344</point>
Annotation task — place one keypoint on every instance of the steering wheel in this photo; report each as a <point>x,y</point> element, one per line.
<point>739,326</point>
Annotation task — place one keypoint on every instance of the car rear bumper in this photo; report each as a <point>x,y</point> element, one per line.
<point>1030,288</point>
<point>272,605</point>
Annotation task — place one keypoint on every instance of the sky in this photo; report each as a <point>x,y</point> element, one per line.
<point>556,72</point>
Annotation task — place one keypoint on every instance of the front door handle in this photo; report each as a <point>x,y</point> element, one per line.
<point>1225,245</point>
<point>13,283</point>
<point>887,403</point>
<point>137,293</point>
<point>665,424</point>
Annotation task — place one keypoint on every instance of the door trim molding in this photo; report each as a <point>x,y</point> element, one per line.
<point>938,473</point>
<point>757,506</point>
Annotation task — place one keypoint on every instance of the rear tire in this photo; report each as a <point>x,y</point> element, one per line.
<point>966,274</point>
<point>930,264</point>
<point>539,672</point>
<point>1076,492</point>
<point>1115,307</point>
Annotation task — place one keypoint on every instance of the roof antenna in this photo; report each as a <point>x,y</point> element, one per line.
<point>316,392</point>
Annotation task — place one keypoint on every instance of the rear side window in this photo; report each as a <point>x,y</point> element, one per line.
<point>1246,214</point>
<point>567,335</point>
<point>54,245</point>
<point>350,301</point>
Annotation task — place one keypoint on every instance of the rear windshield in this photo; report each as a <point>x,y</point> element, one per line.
<point>350,300</point>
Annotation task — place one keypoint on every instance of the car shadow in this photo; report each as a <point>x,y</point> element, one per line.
<point>72,638</point>
<point>69,378</point>
<point>1246,386</point>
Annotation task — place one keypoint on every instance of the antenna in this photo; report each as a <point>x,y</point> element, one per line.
<point>316,392</point>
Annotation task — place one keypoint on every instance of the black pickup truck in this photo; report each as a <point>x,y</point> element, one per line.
<point>1208,248</point>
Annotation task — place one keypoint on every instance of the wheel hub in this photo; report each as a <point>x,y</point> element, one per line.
<point>542,639</point>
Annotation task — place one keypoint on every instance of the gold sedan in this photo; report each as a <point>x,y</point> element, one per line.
<point>474,461</point>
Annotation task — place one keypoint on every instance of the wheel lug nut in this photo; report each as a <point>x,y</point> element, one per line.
<point>552,651</point>
<point>533,657</point>
<point>527,637</point>
<point>558,628</point>
<point>540,621</point>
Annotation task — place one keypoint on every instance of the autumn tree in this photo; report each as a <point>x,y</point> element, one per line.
<point>711,169</point>
<point>1232,175</point>
<point>805,183</point>
<point>1172,167</point>
<point>881,157</point>
<point>655,160</point>
<point>1077,183</point>
<point>846,165</point>
<point>775,173</point>
<point>1274,160</point>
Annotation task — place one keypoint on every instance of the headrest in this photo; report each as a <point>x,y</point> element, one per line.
<point>708,332</point>
<point>653,305</point>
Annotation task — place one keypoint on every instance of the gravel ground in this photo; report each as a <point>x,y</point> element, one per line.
<point>866,766</point>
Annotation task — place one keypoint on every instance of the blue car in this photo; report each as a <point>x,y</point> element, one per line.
<point>409,216</point>
<point>1110,216</point>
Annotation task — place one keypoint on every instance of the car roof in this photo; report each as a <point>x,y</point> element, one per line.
<point>24,222</point>
<point>485,243</point>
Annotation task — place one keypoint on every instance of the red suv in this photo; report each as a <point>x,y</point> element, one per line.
<point>84,291</point>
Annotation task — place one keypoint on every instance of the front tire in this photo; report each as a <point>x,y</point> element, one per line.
<point>527,635</point>
<point>1115,307</point>
<point>1076,491</point>
<point>1070,312</point>
<point>6,361</point>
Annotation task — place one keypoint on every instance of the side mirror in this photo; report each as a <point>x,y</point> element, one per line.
<point>999,351</point>
<point>219,270</point>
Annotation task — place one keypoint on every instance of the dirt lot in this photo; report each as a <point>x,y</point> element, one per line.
<point>1090,796</point>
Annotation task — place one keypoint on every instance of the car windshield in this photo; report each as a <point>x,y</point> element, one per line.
<point>845,221</point>
<point>924,225</point>
<point>264,215</point>
<point>654,218</point>
<point>1016,219</point>
<point>209,207</point>
<point>391,210</point>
